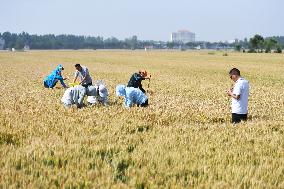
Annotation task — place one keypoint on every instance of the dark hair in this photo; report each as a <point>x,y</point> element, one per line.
<point>235,71</point>
<point>77,65</point>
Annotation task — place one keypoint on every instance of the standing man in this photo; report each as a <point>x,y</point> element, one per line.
<point>136,79</point>
<point>83,73</point>
<point>239,94</point>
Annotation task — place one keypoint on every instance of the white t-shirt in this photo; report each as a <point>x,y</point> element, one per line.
<point>84,73</point>
<point>97,99</point>
<point>241,88</point>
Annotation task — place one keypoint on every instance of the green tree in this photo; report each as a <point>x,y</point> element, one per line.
<point>270,44</point>
<point>257,43</point>
<point>170,45</point>
<point>238,47</point>
<point>132,42</point>
<point>278,49</point>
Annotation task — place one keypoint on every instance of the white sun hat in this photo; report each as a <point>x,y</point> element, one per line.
<point>102,91</point>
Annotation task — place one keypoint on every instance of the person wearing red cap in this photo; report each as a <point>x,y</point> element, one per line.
<point>137,78</point>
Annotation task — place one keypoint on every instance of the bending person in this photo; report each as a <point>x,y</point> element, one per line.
<point>74,95</point>
<point>83,73</point>
<point>132,96</point>
<point>55,76</point>
<point>137,78</point>
<point>97,94</point>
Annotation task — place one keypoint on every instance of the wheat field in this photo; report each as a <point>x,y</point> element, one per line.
<point>184,139</point>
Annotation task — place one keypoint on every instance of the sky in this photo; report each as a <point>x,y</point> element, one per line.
<point>210,20</point>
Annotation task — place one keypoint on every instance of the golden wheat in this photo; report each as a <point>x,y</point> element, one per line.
<point>184,139</point>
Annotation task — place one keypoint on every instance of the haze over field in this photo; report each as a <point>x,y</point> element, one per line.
<point>210,20</point>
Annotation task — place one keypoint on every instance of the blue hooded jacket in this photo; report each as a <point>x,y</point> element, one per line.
<point>51,80</point>
<point>132,95</point>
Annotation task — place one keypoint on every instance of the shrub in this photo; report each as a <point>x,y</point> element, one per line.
<point>251,51</point>
<point>278,49</point>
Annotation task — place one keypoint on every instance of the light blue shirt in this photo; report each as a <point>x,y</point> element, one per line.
<point>134,96</point>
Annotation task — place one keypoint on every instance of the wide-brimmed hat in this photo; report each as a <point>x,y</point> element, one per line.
<point>102,91</point>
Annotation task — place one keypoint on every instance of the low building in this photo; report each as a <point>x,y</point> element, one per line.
<point>149,47</point>
<point>26,47</point>
<point>182,36</point>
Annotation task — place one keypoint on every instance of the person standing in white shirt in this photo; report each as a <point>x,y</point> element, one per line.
<point>239,94</point>
<point>83,73</point>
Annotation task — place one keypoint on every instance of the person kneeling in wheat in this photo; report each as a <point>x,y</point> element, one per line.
<point>132,96</point>
<point>137,78</point>
<point>98,94</point>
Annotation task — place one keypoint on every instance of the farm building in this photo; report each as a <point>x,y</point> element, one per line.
<point>26,47</point>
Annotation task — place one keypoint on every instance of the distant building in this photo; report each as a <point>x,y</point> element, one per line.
<point>2,43</point>
<point>26,47</point>
<point>150,47</point>
<point>198,47</point>
<point>182,36</point>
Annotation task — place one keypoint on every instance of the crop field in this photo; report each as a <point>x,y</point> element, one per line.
<point>184,139</point>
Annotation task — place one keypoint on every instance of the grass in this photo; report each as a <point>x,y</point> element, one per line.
<point>183,140</point>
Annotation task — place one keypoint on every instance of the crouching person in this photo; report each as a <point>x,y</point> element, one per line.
<point>137,78</point>
<point>55,76</point>
<point>97,95</point>
<point>132,96</point>
<point>74,95</point>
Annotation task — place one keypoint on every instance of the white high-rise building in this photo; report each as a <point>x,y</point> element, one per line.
<point>182,36</point>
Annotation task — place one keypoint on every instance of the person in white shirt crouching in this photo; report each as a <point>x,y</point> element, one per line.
<point>239,94</point>
<point>97,94</point>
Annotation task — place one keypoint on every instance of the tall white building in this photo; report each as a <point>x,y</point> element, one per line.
<point>182,36</point>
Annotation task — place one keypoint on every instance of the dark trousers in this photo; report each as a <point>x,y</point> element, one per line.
<point>145,104</point>
<point>237,118</point>
<point>141,88</point>
<point>46,86</point>
<point>86,85</point>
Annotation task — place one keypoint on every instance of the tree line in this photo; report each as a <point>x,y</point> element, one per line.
<point>50,41</point>
<point>260,44</point>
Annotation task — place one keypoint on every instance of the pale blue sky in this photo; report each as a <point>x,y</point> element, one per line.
<point>211,20</point>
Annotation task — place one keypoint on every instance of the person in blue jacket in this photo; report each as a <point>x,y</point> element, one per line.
<point>132,96</point>
<point>55,76</point>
